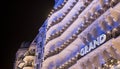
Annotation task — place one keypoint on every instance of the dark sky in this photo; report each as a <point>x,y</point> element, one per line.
<point>21,21</point>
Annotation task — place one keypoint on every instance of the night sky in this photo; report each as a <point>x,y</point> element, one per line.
<point>21,21</point>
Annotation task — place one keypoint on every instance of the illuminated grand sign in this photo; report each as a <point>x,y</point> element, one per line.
<point>92,45</point>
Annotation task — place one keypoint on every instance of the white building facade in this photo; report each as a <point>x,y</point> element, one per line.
<point>79,34</point>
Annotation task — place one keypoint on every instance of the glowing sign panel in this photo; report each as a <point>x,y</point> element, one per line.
<point>92,45</point>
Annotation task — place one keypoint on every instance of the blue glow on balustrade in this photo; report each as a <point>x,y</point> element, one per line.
<point>100,31</point>
<point>58,2</point>
<point>102,61</point>
<point>98,8</point>
<point>58,16</point>
<point>116,24</point>
<point>56,30</point>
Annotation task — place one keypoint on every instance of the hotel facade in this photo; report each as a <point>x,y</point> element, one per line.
<point>78,34</point>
